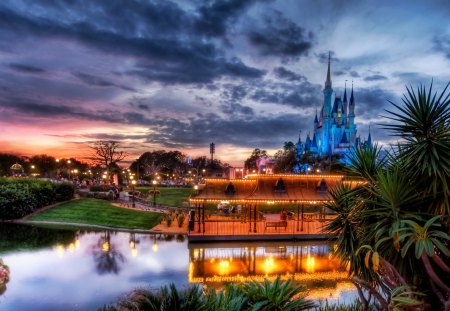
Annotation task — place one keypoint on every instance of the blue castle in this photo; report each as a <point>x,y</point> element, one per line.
<point>334,128</point>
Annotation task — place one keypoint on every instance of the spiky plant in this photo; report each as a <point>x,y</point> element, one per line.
<point>276,296</point>
<point>423,124</point>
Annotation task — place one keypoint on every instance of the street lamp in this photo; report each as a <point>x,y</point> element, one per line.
<point>154,182</point>
<point>68,168</point>
<point>133,182</point>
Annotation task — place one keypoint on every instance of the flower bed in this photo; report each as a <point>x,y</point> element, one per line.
<point>4,276</point>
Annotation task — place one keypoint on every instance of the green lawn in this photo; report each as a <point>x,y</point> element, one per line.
<point>99,212</point>
<point>169,196</point>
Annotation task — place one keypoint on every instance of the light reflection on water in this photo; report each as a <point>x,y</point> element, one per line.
<point>68,270</point>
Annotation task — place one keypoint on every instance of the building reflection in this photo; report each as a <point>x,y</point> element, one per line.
<point>310,264</point>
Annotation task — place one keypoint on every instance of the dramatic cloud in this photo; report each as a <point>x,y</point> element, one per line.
<point>180,74</point>
<point>376,77</point>
<point>24,68</point>
<point>442,44</point>
<point>281,37</point>
<point>283,73</point>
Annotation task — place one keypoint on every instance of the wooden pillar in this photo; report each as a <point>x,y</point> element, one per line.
<point>250,218</point>
<point>198,215</point>
<point>302,217</point>
<point>298,216</point>
<point>203,216</point>
<point>255,216</point>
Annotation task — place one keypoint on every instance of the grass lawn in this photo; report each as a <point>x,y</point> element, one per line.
<point>99,212</point>
<point>176,197</point>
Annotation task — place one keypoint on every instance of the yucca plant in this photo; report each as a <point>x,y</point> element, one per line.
<point>276,296</point>
<point>231,298</point>
<point>423,124</point>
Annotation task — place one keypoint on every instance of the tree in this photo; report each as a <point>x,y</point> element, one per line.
<point>257,153</point>
<point>107,153</point>
<point>6,161</point>
<point>45,165</point>
<point>392,230</point>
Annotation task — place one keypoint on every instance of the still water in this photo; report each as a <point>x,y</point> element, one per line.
<point>54,269</point>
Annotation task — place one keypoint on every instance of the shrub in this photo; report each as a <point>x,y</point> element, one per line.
<point>100,188</point>
<point>180,220</point>
<point>64,191</point>
<point>169,220</point>
<point>20,197</point>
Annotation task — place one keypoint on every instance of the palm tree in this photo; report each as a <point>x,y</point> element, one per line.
<point>423,122</point>
<point>379,220</point>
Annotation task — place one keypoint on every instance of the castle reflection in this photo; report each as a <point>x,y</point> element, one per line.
<point>309,263</point>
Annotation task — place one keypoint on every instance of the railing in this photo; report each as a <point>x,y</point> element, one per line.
<point>245,227</point>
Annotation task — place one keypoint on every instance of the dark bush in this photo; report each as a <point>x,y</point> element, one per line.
<point>100,188</point>
<point>20,197</point>
<point>64,192</point>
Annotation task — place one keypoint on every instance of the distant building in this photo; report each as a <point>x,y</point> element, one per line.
<point>334,128</point>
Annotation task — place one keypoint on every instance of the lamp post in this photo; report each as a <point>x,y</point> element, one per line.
<point>154,182</point>
<point>133,182</point>
<point>57,168</point>
<point>68,168</point>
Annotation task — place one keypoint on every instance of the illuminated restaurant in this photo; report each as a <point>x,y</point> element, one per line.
<point>262,207</point>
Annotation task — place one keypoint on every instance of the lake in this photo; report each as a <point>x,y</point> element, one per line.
<point>62,269</point>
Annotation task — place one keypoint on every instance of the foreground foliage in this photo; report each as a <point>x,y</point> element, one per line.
<point>20,197</point>
<point>276,295</point>
<point>393,229</point>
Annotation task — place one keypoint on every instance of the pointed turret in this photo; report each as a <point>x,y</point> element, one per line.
<point>369,139</point>
<point>344,103</point>
<point>327,92</point>
<point>351,106</point>
<point>328,81</point>
<point>315,119</point>
<point>299,138</point>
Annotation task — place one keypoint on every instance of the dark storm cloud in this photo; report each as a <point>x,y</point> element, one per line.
<point>281,37</point>
<point>285,74</point>
<point>376,77</point>
<point>50,111</point>
<point>96,81</point>
<point>194,70</point>
<point>231,98</point>
<point>215,16</point>
<point>92,80</point>
<point>371,102</point>
<point>323,57</point>
<point>26,68</point>
<point>195,132</point>
<point>304,94</point>
<point>169,59</point>
<point>442,44</point>
<point>413,78</point>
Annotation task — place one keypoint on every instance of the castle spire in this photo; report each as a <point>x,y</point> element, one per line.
<point>351,105</point>
<point>344,102</point>
<point>328,73</point>
<point>328,81</point>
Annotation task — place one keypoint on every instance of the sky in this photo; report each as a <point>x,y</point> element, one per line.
<point>182,74</point>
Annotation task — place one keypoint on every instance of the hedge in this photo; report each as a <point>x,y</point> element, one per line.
<point>20,197</point>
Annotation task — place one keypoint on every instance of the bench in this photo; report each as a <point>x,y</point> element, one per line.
<point>275,224</point>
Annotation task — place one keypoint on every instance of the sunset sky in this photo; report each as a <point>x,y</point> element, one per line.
<point>182,74</point>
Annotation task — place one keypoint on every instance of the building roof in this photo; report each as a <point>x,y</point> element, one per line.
<point>269,189</point>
